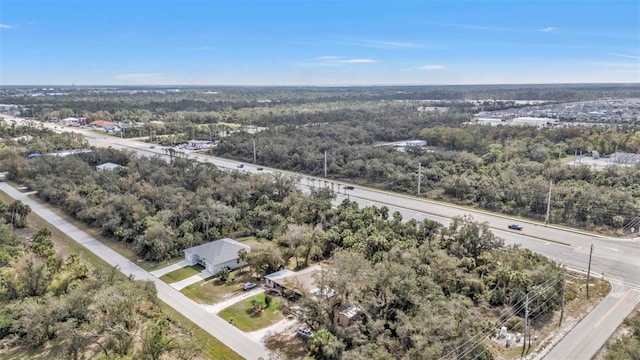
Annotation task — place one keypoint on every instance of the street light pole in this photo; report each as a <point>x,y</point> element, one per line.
<point>589,270</point>
<point>546,219</point>
<point>325,163</point>
<point>419,176</point>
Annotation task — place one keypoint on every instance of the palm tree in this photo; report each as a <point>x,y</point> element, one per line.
<point>17,214</point>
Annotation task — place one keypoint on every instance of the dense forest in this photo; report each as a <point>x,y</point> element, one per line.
<point>461,277</point>
<point>503,169</point>
<point>83,100</point>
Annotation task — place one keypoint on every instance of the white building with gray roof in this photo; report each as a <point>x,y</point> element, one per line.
<point>217,255</point>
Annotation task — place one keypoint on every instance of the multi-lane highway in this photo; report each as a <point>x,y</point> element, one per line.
<point>615,259</point>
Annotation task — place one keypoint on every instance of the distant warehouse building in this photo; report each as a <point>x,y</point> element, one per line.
<point>416,143</point>
<point>489,121</point>
<point>535,121</point>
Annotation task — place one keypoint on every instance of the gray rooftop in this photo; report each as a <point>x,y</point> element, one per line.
<point>108,166</point>
<point>219,251</point>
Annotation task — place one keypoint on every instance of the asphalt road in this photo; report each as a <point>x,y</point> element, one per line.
<point>214,325</point>
<point>616,259</point>
<point>593,331</point>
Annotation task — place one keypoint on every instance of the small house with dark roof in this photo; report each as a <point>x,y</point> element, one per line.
<point>217,255</point>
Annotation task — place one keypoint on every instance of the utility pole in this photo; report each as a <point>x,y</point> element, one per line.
<point>564,283</point>
<point>546,219</point>
<point>526,323</point>
<point>325,163</point>
<point>419,176</point>
<point>589,270</point>
<point>254,151</point>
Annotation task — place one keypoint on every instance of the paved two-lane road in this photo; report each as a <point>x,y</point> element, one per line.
<point>592,332</point>
<point>214,325</point>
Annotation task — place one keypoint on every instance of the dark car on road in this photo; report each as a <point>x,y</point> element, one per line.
<point>515,227</point>
<point>348,187</point>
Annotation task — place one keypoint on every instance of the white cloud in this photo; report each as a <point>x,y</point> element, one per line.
<point>472,27</point>
<point>617,64</point>
<point>5,26</point>
<point>331,60</point>
<point>384,44</point>
<point>431,67</point>
<point>354,61</point>
<point>625,56</point>
<point>489,27</point>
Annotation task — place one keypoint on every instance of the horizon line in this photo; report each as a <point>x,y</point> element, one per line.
<point>314,85</point>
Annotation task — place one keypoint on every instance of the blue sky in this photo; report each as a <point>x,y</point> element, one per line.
<point>153,42</point>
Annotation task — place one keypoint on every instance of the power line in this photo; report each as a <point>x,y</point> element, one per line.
<point>476,342</point>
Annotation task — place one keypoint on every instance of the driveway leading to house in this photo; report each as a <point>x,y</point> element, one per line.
<point>179,285</point>
<point>171,268</point>
<point>216,308</point>
<point>214,325</point>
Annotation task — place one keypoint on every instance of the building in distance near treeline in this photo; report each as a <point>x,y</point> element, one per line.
<point>538,122</point>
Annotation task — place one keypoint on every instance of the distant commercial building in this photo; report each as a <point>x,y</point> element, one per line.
<point>9,108</point>
<point>534,121</point>
<point>65,153</point>
<point>70,121</point>
<point>102,124</point>
<point>416,143</point>
<point>489,121</point>
<point>198,145</point>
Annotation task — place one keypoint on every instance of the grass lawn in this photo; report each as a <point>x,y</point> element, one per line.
<point>248,320</point>
<point>250,240</point>
<point>182,273</point>
<point>213,291</point>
